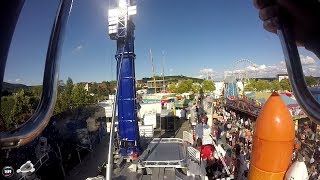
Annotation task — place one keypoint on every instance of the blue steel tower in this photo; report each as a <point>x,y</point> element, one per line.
<point>121,29</point>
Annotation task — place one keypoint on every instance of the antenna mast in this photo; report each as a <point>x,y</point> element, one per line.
<point>153,72</point>
<point>163,83</point>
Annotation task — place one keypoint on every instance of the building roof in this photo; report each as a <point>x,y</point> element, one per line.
<point>288,101</point>
<point>265,78</point>
<point>263,97</point>
<point>282,75</point>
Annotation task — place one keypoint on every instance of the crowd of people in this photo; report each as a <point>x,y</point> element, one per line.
<point>233,137</point>
<point>308,148</point>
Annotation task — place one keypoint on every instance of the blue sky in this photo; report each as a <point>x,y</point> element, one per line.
<point>198,37</point>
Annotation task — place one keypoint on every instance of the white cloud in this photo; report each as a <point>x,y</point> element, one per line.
<point>205,71</point>
<point>262,67</point>
<point>252,68</point>
<point>77,49</point>
<point>270,70</point>
<point>306,60</point>
<point>311,67</point>
<point>18,80</point>
<point>200,76</point>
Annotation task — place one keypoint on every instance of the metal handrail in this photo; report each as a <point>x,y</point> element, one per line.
<point>299,87</point>
<point>39,120</point>
<point>220,157</point>
<point>109,165</point>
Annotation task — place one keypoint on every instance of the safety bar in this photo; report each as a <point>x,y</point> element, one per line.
<point>304,97</point>
<point>39,120</point>
<point>109,165</point>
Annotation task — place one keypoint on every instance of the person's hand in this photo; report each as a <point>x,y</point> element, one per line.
<point>303,15</point>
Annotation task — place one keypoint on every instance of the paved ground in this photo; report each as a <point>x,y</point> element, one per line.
<point>183,126</point>
<point>89,165</point>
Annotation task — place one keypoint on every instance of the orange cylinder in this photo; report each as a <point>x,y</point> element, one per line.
<point>273,141</point>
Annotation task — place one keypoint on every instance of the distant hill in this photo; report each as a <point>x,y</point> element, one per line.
<point>12,87</point>
<point>172,78</point>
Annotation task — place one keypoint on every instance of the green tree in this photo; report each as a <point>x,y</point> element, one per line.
<point>250,85</point>
<point>21,110</point>
<point>101,95</point>
<point>208,86</point>
<point>93,88</point>
<point>66,94</point>
<point>112,86</point>
<point>64,100</point>
<point>69,86</point>
<point>285,85</point>
<point>91,99</point>
<point>79,96</point>
<point>36,90</point>
<point>172,87</point>
<point>262,85</point>
<point>311,81</point>
<point>106,88</point>
<point>275,85</point>
<point>184,86</point>
<point>72,97</point>
<point>59,106</point>
<point>7,104</point>
<point>195,87</point>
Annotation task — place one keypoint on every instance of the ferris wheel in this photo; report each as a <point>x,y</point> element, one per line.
<point>244,69</point>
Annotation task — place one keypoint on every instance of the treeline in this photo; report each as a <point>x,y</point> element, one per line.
<point>189,85</point>
<point>175,79</point>
<point>9,88</point>
<point>263,85</point>
<point>283,85</point>
<point>72,96</point>
<point>19,106</point>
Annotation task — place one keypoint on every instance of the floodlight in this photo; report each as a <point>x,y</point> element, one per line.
<point>112,31</point>
<point>132,10</point>
<point>118,17</point>
<point>113,20</point>
<point>122,3</point>
<point>113,28</point>
<point>113,13</point>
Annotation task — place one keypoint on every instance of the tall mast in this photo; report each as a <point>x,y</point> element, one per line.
<point>163,83</point>
<point>153,72</point>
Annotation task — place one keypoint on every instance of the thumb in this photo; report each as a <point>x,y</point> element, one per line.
<point>294,8</point>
